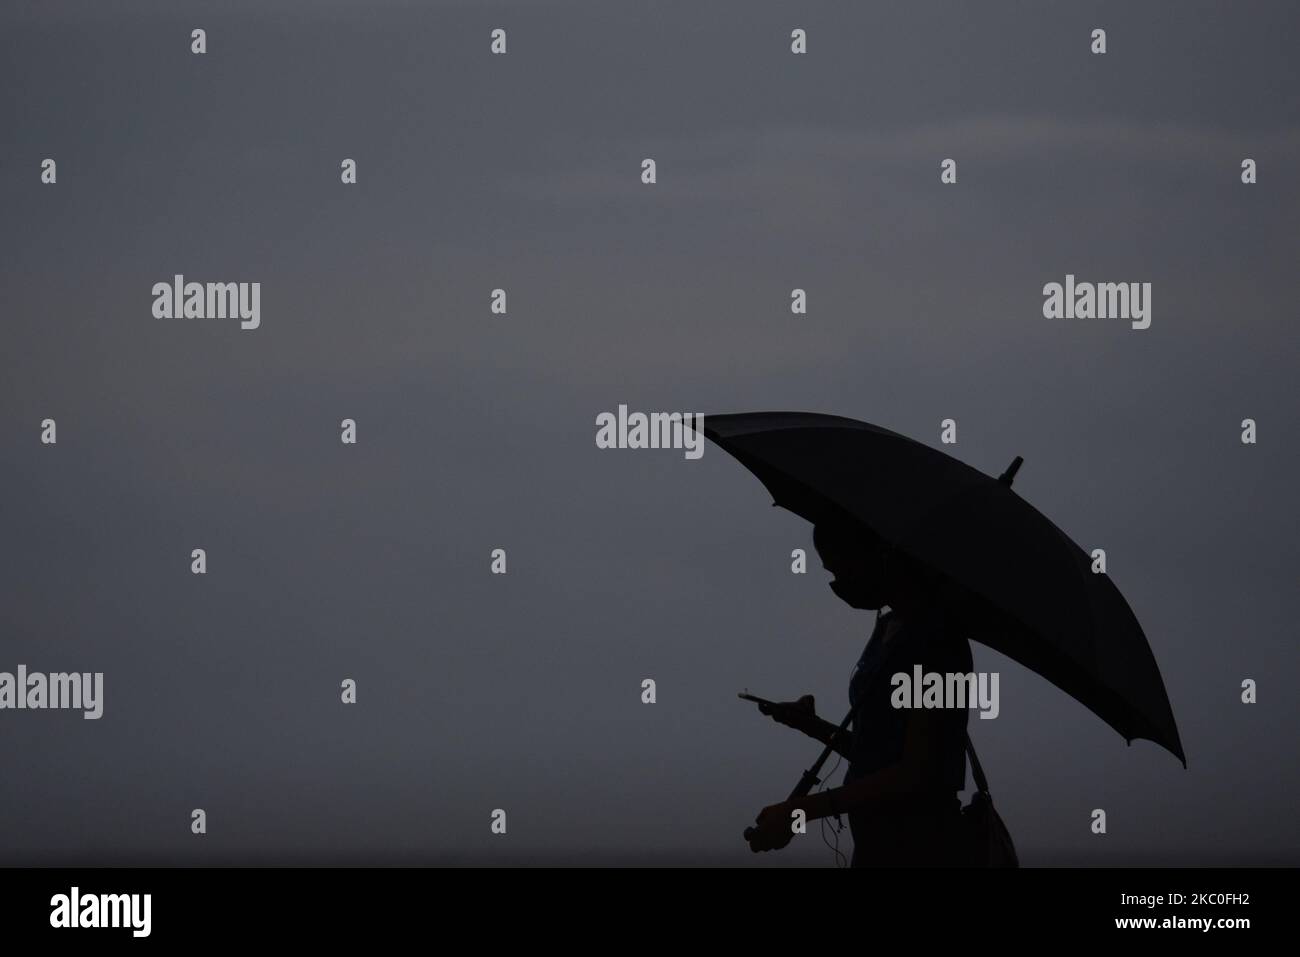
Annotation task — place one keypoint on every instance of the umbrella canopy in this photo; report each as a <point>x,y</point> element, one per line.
<point>1033,591</point>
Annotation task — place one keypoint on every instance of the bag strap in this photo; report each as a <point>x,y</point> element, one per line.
<point>976,771</point>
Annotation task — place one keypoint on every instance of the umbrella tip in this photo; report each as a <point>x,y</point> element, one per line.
<point>1009,476</point>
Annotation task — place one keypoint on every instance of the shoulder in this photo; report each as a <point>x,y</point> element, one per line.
<point>935,642</point>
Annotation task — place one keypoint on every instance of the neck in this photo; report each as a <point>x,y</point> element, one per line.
<point>917,606</point>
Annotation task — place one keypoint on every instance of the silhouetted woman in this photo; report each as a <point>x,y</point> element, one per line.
<point>906,765</point>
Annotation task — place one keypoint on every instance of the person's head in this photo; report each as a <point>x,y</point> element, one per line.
<point>857,560</point>
<point>869,573</point>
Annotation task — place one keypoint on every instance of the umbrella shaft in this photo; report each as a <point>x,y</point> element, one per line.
<point>806,784</point>
<point>810,777</point>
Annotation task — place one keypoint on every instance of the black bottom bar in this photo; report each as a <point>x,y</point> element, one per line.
<point>333,905</point>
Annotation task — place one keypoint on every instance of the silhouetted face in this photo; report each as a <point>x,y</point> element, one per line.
<point>857,564</point>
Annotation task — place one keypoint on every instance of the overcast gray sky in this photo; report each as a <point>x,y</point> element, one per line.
<point>476,431</point>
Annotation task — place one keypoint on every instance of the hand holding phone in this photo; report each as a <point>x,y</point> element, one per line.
<point>792,714</point>
<point>755,698</point>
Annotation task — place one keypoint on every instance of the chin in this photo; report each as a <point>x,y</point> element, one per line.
<point>856,599</point>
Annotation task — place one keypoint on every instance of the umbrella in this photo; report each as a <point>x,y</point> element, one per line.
<point>1034,594</point>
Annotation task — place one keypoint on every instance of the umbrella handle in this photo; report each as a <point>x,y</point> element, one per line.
<point>806,784</point>
<point>810,779</point>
